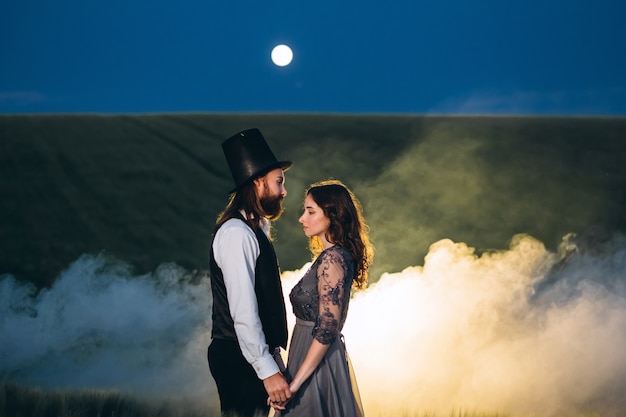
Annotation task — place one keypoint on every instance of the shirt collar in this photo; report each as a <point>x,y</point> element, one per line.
<point>264,223</point>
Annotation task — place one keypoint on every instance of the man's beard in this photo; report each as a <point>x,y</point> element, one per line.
<point>272,205</point>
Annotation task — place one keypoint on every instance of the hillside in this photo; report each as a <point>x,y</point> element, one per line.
<point>147,188</point>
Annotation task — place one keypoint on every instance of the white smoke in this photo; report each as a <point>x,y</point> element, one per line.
<point>100,327</point>
<point>473,332</point>
<point>520,331</point>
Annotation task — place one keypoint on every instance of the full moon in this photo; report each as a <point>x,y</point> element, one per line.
<point>282,55</point>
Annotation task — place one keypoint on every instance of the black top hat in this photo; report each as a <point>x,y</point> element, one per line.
<point>249,157</point>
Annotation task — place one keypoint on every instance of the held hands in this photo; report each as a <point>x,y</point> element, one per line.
<point>277,389</point>
<point>280,405</point>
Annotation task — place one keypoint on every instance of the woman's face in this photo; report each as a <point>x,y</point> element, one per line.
<point>314,221</point>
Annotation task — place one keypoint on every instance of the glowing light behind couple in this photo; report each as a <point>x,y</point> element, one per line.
<point>490,333</point>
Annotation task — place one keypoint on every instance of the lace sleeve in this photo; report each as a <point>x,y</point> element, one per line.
<point>330,284</point>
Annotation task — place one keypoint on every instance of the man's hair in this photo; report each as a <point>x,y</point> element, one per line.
<point>246,199</point>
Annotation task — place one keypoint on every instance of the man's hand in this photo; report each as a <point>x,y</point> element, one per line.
<point>277,388</point>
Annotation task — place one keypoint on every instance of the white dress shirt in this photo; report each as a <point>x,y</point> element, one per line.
<point>236,250</point>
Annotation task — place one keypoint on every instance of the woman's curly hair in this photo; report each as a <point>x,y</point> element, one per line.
<point>347,225</point>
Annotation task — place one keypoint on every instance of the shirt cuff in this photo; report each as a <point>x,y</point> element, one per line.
<point>265,367</point>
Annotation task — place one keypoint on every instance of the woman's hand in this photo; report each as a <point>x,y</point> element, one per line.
<point>277,405</point>
<point>293,387</point>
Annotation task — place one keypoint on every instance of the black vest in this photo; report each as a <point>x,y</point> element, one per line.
<point>269,295</point>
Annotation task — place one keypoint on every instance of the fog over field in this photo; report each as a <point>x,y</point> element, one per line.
<point>498,282</point>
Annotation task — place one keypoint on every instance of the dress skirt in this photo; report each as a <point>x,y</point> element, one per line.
<point>331,390</point>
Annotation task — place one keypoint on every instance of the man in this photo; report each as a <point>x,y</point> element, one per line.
<point>249,319</point>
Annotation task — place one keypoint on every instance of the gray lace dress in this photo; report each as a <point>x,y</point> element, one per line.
<point>320,303</point>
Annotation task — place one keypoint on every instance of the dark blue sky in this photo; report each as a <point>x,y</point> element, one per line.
<point>401,56</point>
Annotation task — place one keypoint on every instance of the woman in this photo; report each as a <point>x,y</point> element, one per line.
<point>321,382</point>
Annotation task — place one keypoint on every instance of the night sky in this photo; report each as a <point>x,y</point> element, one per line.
<point>559,57</point>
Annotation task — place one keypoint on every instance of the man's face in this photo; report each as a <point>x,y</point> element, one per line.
<point>272,191</point>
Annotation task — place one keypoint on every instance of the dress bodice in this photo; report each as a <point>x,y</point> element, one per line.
<point>323,294</point>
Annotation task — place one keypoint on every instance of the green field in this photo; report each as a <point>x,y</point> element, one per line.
<point>17,401</point>
<point>147,188</point>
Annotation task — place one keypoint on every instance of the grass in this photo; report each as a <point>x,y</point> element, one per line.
<point>20,401</point>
